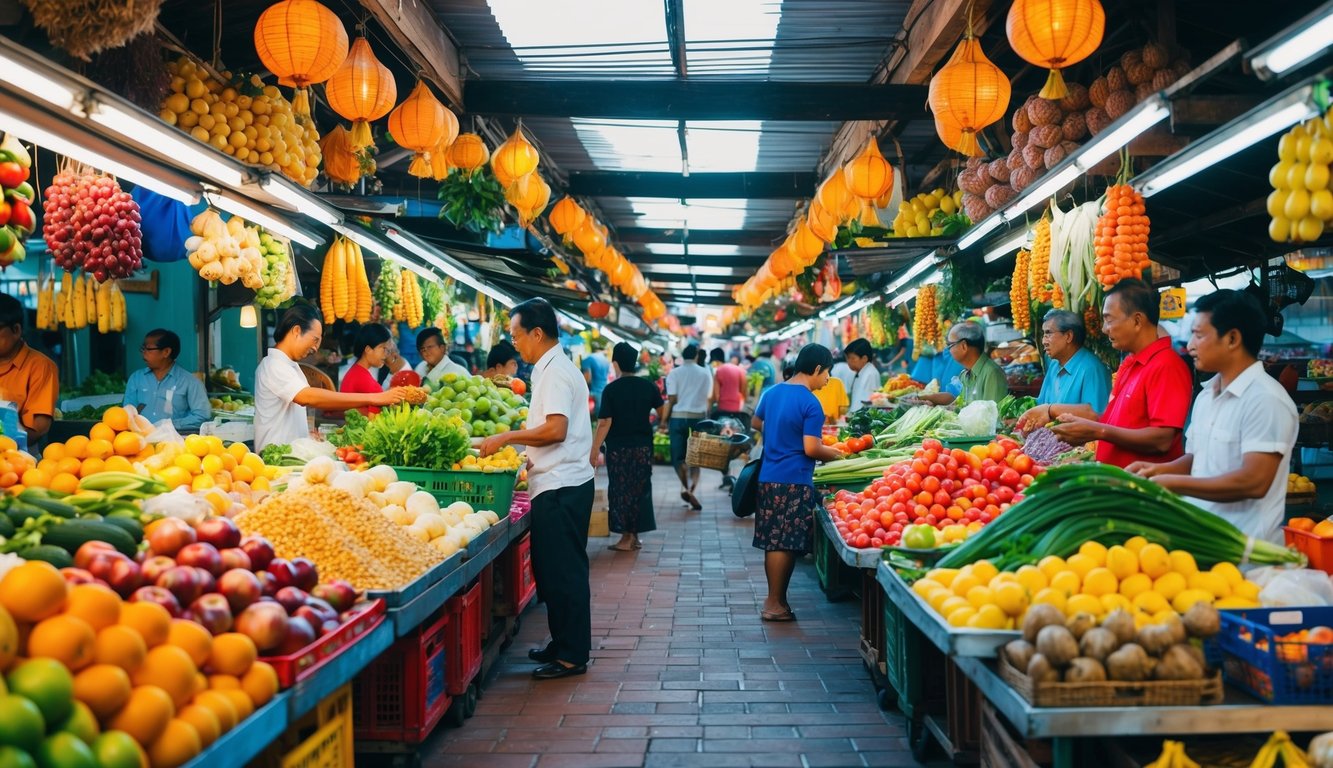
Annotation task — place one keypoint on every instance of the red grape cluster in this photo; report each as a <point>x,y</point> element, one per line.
<point>89,223</point>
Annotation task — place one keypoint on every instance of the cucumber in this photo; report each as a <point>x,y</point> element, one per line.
<point>72,534</point>
<point>7,527</point>
<point>20,512</point>
<point>46,553</point>
<point>128,525</point>
<point>46,504</point>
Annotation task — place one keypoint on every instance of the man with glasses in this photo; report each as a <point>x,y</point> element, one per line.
<point>435,360</point>
<point>28,379</point>
<point>164,390</point>
<point>982,378</point>
<point>1074,374</point>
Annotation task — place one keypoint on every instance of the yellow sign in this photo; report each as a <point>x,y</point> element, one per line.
<point>1173,303</point>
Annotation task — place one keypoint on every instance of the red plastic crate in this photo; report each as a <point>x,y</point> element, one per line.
<point>295,667</point>
<point>401,696</point>
<point>521,577</point>
<point>487,580</point>
<point>1317,548</point>
<point>463,640</point>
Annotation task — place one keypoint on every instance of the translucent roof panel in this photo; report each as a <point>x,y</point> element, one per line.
<point>588,37</point>
<point>630,145</point>
<point>722,145</point>
<point>682,269</point>
<point>703,249</point>
<point>658,213</point>
<point>731,37</point>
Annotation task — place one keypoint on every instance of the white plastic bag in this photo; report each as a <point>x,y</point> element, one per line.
<point>306,448</point>
<point>164,432</point>
<point>1292,588</point>
<point>179,503</point>
<point>979,419</point>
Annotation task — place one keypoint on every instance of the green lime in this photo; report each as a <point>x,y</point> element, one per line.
<point>21,723</point>
<point>48,684</point>
<point>117,749</point>
<point>82,723</point>
<point>13,757</point>
<point>65,750</point>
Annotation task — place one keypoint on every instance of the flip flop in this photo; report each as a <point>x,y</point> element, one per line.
<point>777,617</point>
<point>694,502</point>
<point>638,545</point>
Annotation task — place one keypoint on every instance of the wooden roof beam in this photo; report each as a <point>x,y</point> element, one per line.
<point>413,26</point>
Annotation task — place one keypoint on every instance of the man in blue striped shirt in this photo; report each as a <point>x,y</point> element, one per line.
<point>1073,373</point>
<point>164,390</point>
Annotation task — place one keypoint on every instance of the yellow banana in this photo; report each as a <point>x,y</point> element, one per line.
<point>103,304</point>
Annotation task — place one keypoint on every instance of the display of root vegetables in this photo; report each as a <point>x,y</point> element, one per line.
<point>225,251</point>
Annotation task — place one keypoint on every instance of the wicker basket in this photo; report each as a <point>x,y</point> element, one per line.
<point>1154,693</point>
<point>708,451</point>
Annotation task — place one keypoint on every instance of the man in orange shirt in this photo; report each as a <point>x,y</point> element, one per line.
<point>27,378</point>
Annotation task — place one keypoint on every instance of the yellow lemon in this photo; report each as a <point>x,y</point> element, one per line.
<point>926,586</point>
<point>963,583</point>
<point>1246,590</point>
<point>1142,620</point>
<point>1122,562</point>
<point>1067,582</point>
<point>215,445</point>
<point>960,616</point>
<point>1166,616</point>
<point>1116,602</point>
<point>1032,579</point>
<point>1229,572</point>
<point>1183,562</point>
<point>1135,543</point>
<point>1235,603</point>
<point>174,477</point>
<point>1082,564</point>
<point>951,604</point>
<point>197,445</point>
<point>1100,581</point>
<point>1185,599</point>
<point>936,599</point>
<point>1211,583</point>
<point>1012,598</point>
<point>1135,585</point>
<point>1084,604</point>
<point>188,462</point>
<point>942,576</point>
<point>1169,585</point>
<point>1051,565</point>
<point>984,570</point>
<point>1094,550</point>
<point>988,617</point>
<point>1050,596</point>
<point>202,483</point>
<point>979,596</point>
<point>211,464</point>
<point>1154,560</point>
<point>1151,602</point>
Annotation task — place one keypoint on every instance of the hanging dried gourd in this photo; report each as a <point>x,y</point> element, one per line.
<point>303,43</point>
<point>468,153</point>
<point>869,175</point>
<point>361,90</point>
<point>1055,34</point>
<point>419,124</point>
<point>968,94</point>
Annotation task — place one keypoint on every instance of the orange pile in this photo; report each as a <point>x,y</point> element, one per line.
<point>1121,239</point>
<point>114,444</point>
<point>135,669</point>
<point>1323,529</point>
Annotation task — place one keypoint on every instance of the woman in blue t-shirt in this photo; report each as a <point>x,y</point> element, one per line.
<point>792,421</point>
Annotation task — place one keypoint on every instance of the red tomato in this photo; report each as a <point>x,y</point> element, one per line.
<point>896,527</point>
<point>1023,463</point>
<point>1005,494</point>
<point>913,483</point>
<point>972,514</point>
<point>930,457</point>
<point>932,445</point>
<point>992,473</point>
<point>861,541</point>
<point>925,498</point>
<point>868,439</point>
<point>876,542</point>
<point>1010,478</point>
<point>943,499</point>
<point>937,470</point>
<point>920,467</point>
<point>996,451</point>
<point>931,520</point>
<point>1007,444</point>
<point>955,513</point>
<point>930,484</point>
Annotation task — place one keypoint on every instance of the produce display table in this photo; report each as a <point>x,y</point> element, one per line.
<point>972,643</point>
<point>856,558</point>
<point>244,742</point>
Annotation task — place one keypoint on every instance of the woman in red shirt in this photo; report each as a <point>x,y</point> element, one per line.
<point>371,348</point>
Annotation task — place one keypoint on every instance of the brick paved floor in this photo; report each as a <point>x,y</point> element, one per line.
<point>684,673</point>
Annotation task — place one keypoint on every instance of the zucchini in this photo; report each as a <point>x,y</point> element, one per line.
<point>72,534</point>
<point>128,525</point>
<point>7,527</point>
<point>19,513</point>
<point>46,553</point>
<point>46,504</point>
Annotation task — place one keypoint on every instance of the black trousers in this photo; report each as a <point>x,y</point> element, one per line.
<point>560,566</point>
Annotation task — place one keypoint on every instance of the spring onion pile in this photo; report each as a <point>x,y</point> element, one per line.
<point>1072,504</point>
<point>919,423</point>
<point>862,468</point>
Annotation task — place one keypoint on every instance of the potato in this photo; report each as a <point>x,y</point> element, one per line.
<point>1156,638</point>
<point>1098,643</point>
<point>1057,644</point>
<point>1130,664</point>
<point>1019,653</point>
<point>1121,625</point>
<point>1039,616</point>
<point>1080,623</point>
<point>1202,621</point>
<point>1085,670</point>
<point>1178,664</point>
<point>1041,671</point>
<point>1177,628</point>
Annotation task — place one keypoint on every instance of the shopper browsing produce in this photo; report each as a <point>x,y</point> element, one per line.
<point>164,390</point>
<point>1074,374</point>
<point>502,361</point>
<point>982,378</point>
<point>728,398</point>
<point>596,369</point>
<point>394,363</point>
<point>28,379</point>
<point>1150,395</point>
<point>1243,425</point>
<point>559,442</point>
<point>833,400</point>
<point>281,390</point>
<point>622,424</point>
<point>435,360</point>
<point>688,387</point>
<point>865,378</point>
<point>371,346</point>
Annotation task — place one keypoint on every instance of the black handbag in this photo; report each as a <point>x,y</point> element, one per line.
<point>745,493</point>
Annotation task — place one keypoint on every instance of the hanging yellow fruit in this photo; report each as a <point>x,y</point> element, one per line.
<point>361,90</point>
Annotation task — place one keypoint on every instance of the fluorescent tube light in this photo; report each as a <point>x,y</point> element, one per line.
<point>16,70</point>
<point>299,199</point>
<point>855,306</point>
<point>243,208</point>
<point>1041,192</point>
<point>917,269</point>
<point>837,307</point>
<point>1244,131</point>
<point>151,133</point>
<point>935,278</point>
<point>978,231</point>
<point>446,265</point>
<point>1292,49</point>
<point>610,334</point>
<point>1007,245</point>
<point>904,297</point>
<point>1145,115</point>
<point>574,321</point>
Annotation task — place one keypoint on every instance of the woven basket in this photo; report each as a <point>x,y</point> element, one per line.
<point>708,451</point>
<point>85,27</point>
<point>1154,693</point>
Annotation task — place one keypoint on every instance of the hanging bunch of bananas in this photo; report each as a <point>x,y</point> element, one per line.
<point>82,302</point>
<point>1280,745</point>
<point>344,289</point>
<point>1173,756</point>
<point>388,291</point>
<point>410,309</point>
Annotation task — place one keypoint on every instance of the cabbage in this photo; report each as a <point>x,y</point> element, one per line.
<point>978,419</point>
<point>306,448</point>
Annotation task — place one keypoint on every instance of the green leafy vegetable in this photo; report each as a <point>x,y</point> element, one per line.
<point>403,436</point>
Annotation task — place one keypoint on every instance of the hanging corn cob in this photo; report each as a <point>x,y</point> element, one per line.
<point>1020,302</point>
<point>363,299</point>
<point>1041,286</point>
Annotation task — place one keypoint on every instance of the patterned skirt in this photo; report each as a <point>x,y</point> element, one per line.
<point>630,489</point>
<point>784,520</point>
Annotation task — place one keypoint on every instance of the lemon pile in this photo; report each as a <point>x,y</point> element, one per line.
<point>1150,583</point>
<point>246,119</point>
<point>916,216</point>
<point>1299,484</point>
<point>505,460</point>
<point>1301,204</point>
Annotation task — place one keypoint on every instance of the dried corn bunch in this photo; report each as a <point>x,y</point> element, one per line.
<point>413,312</point>
<point>1041,286</point>
<point>1020,301</point>
<point>344,290</point>
<point>298,527</point>
<point>925,323</point>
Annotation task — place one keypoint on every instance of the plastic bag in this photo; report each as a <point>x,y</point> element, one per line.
<point>1292,588</point>
<point>179,503</point>
<point>164,432</point>
<point>978,419</point>
<point>165,224</point>
<point>306,448</point>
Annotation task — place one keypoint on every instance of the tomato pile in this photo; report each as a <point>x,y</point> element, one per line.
<point>351,456</point>
<point>954,491</point>
<point>852,444</point>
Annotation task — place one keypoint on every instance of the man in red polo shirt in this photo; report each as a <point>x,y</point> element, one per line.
<point>1150,395</point>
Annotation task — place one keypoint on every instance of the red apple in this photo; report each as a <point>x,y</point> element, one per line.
<point>259,550</point>
<point>207,582</point>
<point>221,532</point>
<point>316,619</point>
<point>85,553</point>
<point>265,623</point>
<point>126,576</point>
<point>201,555</point>
<point>306,574</point>
<point>75,576</point>
<point>337,593</point>
<point>284,574</point>
<point>235,557</point>
<point>182,582</point>
<point>155,566</point>
<point>213,612</point>
<point>240,587</point>
<point>326,611</point>
<point>299,635</point>
<point>267,583</point>
<point>101,563</point>
<point>169,535</point>
<point>157,595</point>
<point>291,598</point>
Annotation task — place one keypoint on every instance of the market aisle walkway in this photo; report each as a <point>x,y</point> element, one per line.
<point>685,674</point>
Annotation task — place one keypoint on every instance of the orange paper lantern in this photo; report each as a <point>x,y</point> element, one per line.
<point>823,224</point>
<point>869,175</point>
<point>529,196</point>
<point>303,43</point>
<point>950,134</point>
<point>468,153</point>
<point>566,216</point>
<point>515,158</point>
<point>805,244</point>
<point>970,93</point>
<point>420,124</point>
<point>589,237</point>
<point>834,195</point>
<point>361,90</point>
<point>1055,34</point>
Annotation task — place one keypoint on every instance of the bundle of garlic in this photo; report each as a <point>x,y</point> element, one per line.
<point>225,252</point>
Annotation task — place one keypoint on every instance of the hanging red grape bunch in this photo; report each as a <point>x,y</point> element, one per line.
<point>90,223</point>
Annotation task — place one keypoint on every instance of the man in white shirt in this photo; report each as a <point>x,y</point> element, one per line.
<point>560,478</point>
<point>435,360</point>
<point>865,379</point>
<point>1243,426</point>
<point>689,387</point>
<point>844,373</point>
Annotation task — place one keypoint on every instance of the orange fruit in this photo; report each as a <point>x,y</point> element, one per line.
<point>170,669</point>
<point>211,465</point>
<point>193,638</point>
<point>200,683</point>
<point>77,447</point>
<point>116,418</point>
<point>241,700</point>
<point>220,705</point>
<point>68,465</point>
<point>67,639</point>
<point>150,620</point>
<point>178,744</point>
<point>224,682</point>
<point>118,464</point>
<point>100,449</point>
<point>233,653</point>
<point>35,478</point>
<point>243,474</point>
<point>65,482</point>
<point>1323,529</point>
<point>145,714</point>
<point>260,683</point>
<point>54,451</point>
<point>9,640</point>
<point>203,720</point>
<point>173,476</point>
<point>91,466</point>
<point>120,645</point>
<point>129,443</point>
<point>95,604</point>
<point>33,591</point>
<point>104,688</point>
<point>49,466</point>
<point>101,431</point>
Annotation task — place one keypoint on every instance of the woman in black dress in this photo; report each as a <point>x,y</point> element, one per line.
<point>623,425</point>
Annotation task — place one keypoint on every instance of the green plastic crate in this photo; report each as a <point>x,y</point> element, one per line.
<point>835,577</point>
<point>902,660</point>
<point>483,490</point>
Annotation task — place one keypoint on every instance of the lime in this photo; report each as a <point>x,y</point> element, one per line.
<point>65,750</point>
<point>483,405</point>
<point>21,723</point>
<point>13,757</point>
<point>116,749</point>
<point>82,723</point>
<point>48,684</point>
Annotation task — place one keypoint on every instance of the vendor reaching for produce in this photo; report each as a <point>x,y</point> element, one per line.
<point>865,379</point>
<point>982,378</point>
<point>164,390</point>
<point>1074,374</point>
<point>1150,395</point>
<point>1243,426</point>
<point>28,379</point>
<point>435,360</point>
<point>281,390</point>
<point>371,347</point>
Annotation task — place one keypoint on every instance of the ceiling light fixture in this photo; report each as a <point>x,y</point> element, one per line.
<point>1289,49</point>
<point>856,306</point>
<point>300,199</point>
<point>917,269</point>
<point>1006,245</point>
<point>1143,116</point>
<point>22,70</point>
<point>904,297</point>
<point>441,261</point>
<point>238,206</point>
<point>150,132</point>
<point>980,230</point>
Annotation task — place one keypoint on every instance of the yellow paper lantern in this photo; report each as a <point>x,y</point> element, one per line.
<point>869,175</point>
<point>823,224</point>
<point>439,159</point>
<point>1055,34</point>
<point>589,238</point>
<point>781,263</point>
<point>362,90</point>
<point>805,244</point>
<point>834,195</point>
<point>303,43</point>
<point>567,216</point>
<point>950,134</point>
<point>529,196</point>
<point>970,93</point>
<point>420,124</point>
<point>468,153</point>
<point>515,158</point>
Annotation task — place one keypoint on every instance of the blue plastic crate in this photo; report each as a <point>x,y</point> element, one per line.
<point>1257,660</point>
